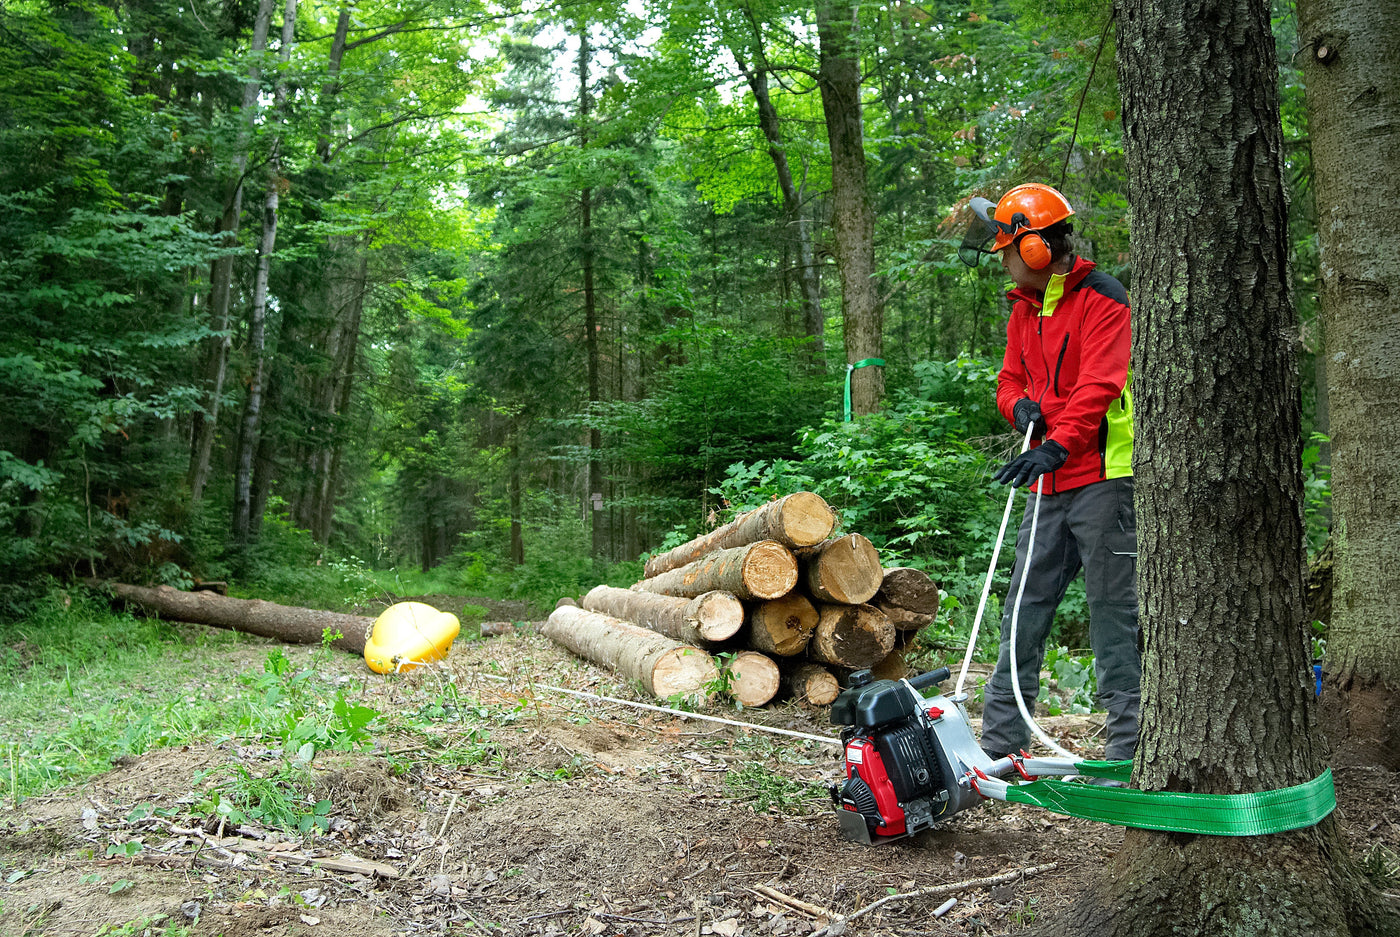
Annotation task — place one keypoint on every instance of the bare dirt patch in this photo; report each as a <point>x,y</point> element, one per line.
<point>511,809</point>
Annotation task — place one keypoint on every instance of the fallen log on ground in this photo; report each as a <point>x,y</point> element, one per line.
<point>763,570</point>
<point>813,684</point>
<point>753,678</point>
<point>782,626</point>
<point>854,636</point>
<point>845,570</point>
<point>663,667</point>
<point>704,619</point>
<point>286,623</point>
<point>797,520</point>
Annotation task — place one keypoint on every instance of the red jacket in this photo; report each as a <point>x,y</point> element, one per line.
<point>1069,350</point>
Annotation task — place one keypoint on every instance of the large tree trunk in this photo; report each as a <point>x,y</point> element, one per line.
<point>798,520</point>
<point>1227,703</point>
<point>798,231</point>
<point>663,667</point>
<point>251,616</point>
<point>852,217</point>
<point>250,427</point>
<point>1351,52</point>
<point>597,515</point>
<point>706,619</point>
<point>221,270</point>
<point>763,570</point>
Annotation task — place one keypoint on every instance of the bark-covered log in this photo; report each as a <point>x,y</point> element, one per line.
<point>845,570</point>
<point>753,678</point>
<point>662,666</point>
<point>286,623</point>
<point>782,626</point>
<point>813,685</point>
<point>798,520</point>
<point>763,570</point>
<point>902,618</point>
<point>705,619</point>
<point>852,636</point>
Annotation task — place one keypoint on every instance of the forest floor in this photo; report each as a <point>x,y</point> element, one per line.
<point>490,803</point>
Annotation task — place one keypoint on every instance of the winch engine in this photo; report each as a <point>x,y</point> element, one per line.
<point>905,755</point>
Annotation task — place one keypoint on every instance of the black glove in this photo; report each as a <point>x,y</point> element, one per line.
<point>1033,463</point>
<point>1024,413</point>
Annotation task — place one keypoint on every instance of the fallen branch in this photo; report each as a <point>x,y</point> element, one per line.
<point>795,903</point>
<point>935,890</point>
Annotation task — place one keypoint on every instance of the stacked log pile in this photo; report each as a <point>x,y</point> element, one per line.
<point>771,601</point>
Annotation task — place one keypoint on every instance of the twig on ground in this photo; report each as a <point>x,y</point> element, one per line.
<point>933,890</point>
<point>815,910</point>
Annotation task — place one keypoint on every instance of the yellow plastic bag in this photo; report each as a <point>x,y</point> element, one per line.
<point>408,634</point>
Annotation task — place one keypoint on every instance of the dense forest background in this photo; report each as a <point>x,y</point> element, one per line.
<point>522,293</point>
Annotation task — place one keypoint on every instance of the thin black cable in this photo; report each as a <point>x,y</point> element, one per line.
<point>1064,171</point>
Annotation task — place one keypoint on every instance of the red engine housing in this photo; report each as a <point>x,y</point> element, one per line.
<point>863,763</point>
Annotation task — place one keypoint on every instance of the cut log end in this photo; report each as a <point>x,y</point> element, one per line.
<point>782,626</point>
<point>845,570</point>
<point>806,519</point>
<point>753,678</point>
<point>718,615</point>
<point>770,571</point>
<point>683,671</point>
<point>814,685</point>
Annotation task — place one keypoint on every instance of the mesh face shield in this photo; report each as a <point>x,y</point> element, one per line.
<point>981,232</point>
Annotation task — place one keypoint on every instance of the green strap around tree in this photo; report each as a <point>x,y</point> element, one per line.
<point>863,363</point>
<point>1253,814</point>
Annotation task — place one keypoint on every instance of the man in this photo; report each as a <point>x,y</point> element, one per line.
<point>1065,375</point>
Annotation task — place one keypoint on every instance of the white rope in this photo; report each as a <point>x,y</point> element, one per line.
<point>958,694</point>
<point>824,739</point>
<point>1026,716</point>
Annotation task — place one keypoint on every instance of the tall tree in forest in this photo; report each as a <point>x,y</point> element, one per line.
<point>1228,703</point>
<point>1350,53</point>
<point>248,434</point>
<point>597,523</point>
<point>215,365</point>
<point>852,216</point>
<point>753,65</point>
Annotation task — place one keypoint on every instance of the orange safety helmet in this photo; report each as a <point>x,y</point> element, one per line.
<point>1015,219</point>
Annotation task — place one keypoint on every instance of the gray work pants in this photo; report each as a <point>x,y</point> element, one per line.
<point>1095,528</point>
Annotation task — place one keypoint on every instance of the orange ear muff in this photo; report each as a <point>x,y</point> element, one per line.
<point>1034,251</point>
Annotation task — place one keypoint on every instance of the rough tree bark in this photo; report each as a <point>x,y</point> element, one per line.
<point>1227,701</point>
<point>1350,52</point>
<point>852,217</point>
